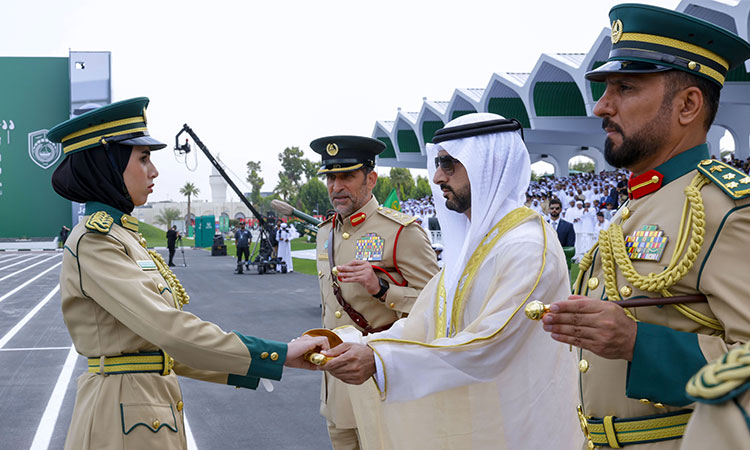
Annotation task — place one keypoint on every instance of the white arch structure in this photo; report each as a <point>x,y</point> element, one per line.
<point>555,103</point>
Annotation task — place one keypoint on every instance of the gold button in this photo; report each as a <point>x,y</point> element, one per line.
<point>320,273</point>
<point>155,424</point>
<point>392,305</point>
<point>345,235</point>
<point>654,179</point>
<point>264,355</point>
<point>625,213</point>
<point>659,405</point>
<point>593,283</point>
<point>337,314</point>
<point>626,291</point>
<point>380,208</point>
<point>590,445</point>
<point>180,405</point>
<point>274,356</point>
<point>583,366</point>
<point>707,162</point>
<point>160,287</point>
<point>335,272</point>
<point>645,401</point>
<point>692,65</point>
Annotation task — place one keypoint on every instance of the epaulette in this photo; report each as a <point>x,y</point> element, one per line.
<point>396,216</point>
<point>723,379</point>
<point>100,221</point>
<point>326,221</point>
<point>733,182</point>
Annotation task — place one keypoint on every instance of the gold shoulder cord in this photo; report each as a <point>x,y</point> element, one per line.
<point>181,298</point>
<point>615,256</point>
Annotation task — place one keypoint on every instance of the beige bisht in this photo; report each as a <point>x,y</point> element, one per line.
<point>467,369</point>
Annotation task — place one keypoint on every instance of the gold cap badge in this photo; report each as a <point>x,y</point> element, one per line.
<point>616,31</point>
<point>332,149</point>
<point>145,121</point>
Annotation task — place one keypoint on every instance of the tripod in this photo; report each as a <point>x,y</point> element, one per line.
<point>182,250</point>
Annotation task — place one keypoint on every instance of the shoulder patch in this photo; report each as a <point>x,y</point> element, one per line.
<point>396,216</point>
<point>100,221</point>
<point>734,183</point>
<point>723,379</point>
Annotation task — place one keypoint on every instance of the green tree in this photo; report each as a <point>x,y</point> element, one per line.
<point>293,165</point>
<point>423,188</point>
<point>313,196</point>
<point>402,180</point>
<point>255,180</point>
<point>189,190</point>
<point>167,215</point>
<point>582,166</point>
<point>286,189</point>
<point>310,169</point>
<point>382,188</point>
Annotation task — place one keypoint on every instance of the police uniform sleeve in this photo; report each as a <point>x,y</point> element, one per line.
<point>110,277</point>
<point>416,260</point>
<point>663,358</point>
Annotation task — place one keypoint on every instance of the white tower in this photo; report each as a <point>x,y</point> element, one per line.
<point>218,187</point>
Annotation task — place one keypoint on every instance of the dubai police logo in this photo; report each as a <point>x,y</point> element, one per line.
<point>616,31</point>
<point>332,149</point>
<point>42,151</point>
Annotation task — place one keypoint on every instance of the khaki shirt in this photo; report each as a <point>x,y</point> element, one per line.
<point>115,301</point>
<point>390,240</point>
<point>670,347</point>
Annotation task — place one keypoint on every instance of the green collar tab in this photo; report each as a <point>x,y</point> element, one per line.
<point>125,220</point>
<point>682,164</point>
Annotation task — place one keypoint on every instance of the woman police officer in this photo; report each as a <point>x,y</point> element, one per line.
<point>123,306</point>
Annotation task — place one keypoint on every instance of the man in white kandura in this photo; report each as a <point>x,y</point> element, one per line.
<point>284,237</point>
<point>466,369</point>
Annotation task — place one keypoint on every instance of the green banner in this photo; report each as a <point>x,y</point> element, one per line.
<point>34,96</point>
<point>392,201</point>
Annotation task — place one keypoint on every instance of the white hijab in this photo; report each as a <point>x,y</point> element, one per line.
<point>499,171</point>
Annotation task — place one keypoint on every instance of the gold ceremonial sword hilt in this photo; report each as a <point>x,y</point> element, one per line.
<point>535,310</point>
<point>320,359</point>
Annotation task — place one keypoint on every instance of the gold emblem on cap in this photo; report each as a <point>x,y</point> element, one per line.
<point>332,149</point>
<point>616,31</point>
<point>145,121</point>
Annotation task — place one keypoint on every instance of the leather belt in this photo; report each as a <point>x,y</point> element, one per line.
<point>353,314</point>
<point>610,431</point>
<point>151,362</point>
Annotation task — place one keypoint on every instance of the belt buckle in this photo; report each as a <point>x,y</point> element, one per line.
<point>584,427</point>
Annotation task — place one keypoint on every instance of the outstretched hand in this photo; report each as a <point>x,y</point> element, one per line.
<point>598,326</point>
<point>298,347</point>
<point>352,363</point>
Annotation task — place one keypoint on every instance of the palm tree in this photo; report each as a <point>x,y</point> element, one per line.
<point>189,190</point>
<point>166,216</point>
<point>401,179</point>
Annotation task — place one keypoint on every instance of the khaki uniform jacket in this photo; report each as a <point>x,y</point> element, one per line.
<point>115,301</point>
<point>406,256</point>
<point>670,347</point>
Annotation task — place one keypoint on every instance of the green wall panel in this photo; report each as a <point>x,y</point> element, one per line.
<point>510,108</point>
<point>407,141</point>
<point>35,96</point>
<point>558,98</point>
<point>459,113</point>
<point>389,152</point>
<point>429,127</point>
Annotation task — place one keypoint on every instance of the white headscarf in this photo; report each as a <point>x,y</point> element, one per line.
<point>499,171</point>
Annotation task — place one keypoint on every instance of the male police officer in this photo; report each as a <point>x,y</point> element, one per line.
<point>680,233</point>
<point>372,261</point>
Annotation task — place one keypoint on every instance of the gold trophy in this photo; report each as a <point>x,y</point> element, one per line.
<point>320,359</point>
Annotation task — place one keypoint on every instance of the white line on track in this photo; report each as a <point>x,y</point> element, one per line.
<point>31,349</point>
<point>191,445</point>
<point>27,267</point>
<point>20,262</point>
<point>9,335</point>
<point>11,258</point>
<point>49,418</point>
<point>27,283</point>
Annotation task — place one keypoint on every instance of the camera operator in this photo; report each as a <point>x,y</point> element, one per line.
<point>172,236</point>
<point>242,239</point>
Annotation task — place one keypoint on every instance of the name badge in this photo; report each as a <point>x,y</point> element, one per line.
<point>146,264</point>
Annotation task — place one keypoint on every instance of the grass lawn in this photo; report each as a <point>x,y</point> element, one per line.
<point>573,273</point>
<point>156,237</point>
<point>300,265</point>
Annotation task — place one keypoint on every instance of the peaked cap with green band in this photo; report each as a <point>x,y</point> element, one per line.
<point>649,39</point>
<point>123,122</point>
<point>346,153</point>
